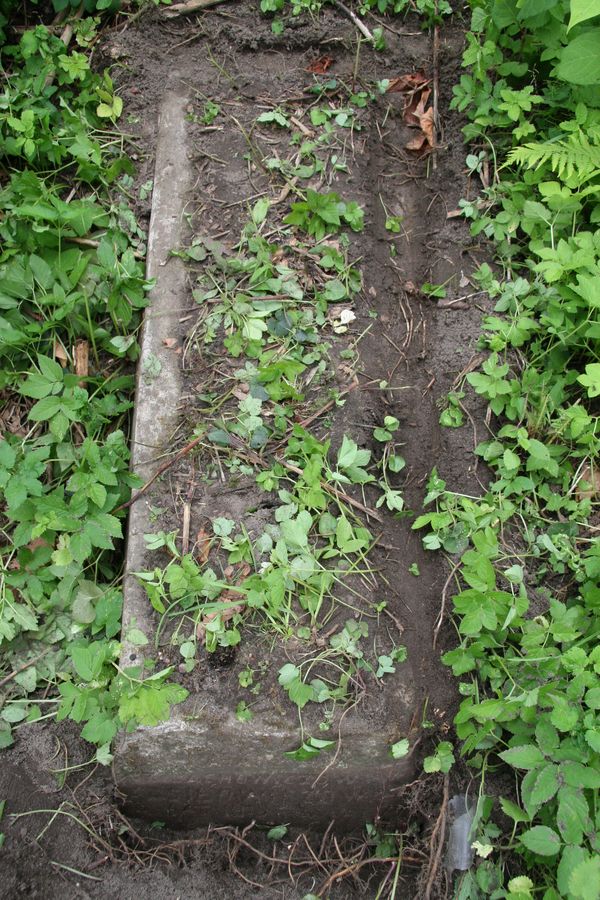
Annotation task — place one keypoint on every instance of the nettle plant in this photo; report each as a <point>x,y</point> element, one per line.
<point>526,552</point>
<point>71,287</point>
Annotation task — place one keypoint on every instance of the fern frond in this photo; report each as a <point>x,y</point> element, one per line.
<point>578,156</point>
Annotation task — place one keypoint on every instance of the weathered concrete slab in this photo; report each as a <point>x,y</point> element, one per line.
<point>158,379</point>
<point>204,766</point>
<point>220,771</point>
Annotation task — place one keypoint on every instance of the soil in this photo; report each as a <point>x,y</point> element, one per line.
<point>419,346</point>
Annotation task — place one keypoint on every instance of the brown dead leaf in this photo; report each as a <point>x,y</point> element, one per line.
<point>242,572</point>
<point>416,94</point>
<point>170,342</point>
<point>33,546</point>
<point>590,484</point>
<point>82,358</point>
<point>413,81</point>
<point>202,546</point>
<point>227,596</point>
<point>241,392</point>
<point>60,354</point>
<point>320,66</point>
<point>228,613</point>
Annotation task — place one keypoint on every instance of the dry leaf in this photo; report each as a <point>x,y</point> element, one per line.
<point>590,483</point>
<point>60,353</point>
<point>416,94</point>
<point>320,66</point>
<point>82,358</point>
<point>202,546</point>
<point>225,614</point>
<point>170,342</point>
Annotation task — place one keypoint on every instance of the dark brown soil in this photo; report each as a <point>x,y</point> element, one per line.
<point>231,55</point>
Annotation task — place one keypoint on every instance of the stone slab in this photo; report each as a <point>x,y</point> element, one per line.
<point>203,766</point>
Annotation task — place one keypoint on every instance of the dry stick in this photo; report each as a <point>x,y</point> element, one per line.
<point>320,412</point>
<point>185,530</point>
<point>166,465</point>
<point>22,668</point>
<point>437,833</point>
<point>352,15</point>
<point>333,491</point>
<point>254,457</point>
<point>436,88</point>
<point>180,9</point>
<point>440,617</point>
<point>350,870</point>
<point>65,37</point>
<point>339,495</point>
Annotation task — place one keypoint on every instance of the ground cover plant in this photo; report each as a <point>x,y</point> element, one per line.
<point>71,291</point>
<point>526,552</point>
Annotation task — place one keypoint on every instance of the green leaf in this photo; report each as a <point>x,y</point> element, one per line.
<point>300,693</point>
<point>87,664</point>
<point>260,210</point>
<point>100,729</point>
<point>243,713</point>
<point>513,811</point>
<point>6,738</point>
<point>564,717</point>
<point>36,386</point>
<point>83,606</point>
<point>546,736</point>
<point>582,10</point>
<point>520,887</point>
<point>442,760</point>
<point>580,59</point>
<point>287,674</point>
<point>569,860</point>
<point>310,748</point>
<point>137,637</point>
<point>295,531</point>
<point>579,776</point>
<point>45,409</point>
<point>572,816</point>
<point>546,785</point>
<point>584,882</point>
<point>541,840</point>
<point>151,703</point>
<point>276,833</point>
<point>525,757</point>
<point>592,698</point>
<point>400,749</point>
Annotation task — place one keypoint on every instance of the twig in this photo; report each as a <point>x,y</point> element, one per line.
<point>320,412</point>
<point>301,126</point>
<point>435,87</point>
<point>371,860</point>
<point>26,665</point>
<point>166,465</point>
<point>352,15</point>
<point>185,530</point>
<point>437,834</point>
<point>181,9</point>
<point>339,495</point>
<point>440,617</point>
